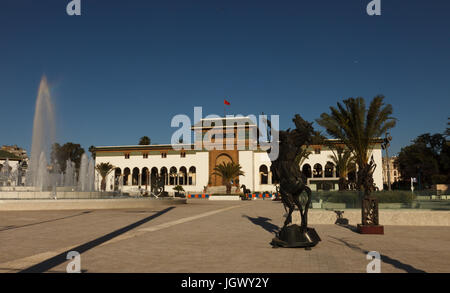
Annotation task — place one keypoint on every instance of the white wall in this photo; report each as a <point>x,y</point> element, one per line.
<point>249,160</point>
<point>261,158</point>
<point>199,160</point>
<point>323,158</point>
<point>246,162</point>
<point>378,173</point>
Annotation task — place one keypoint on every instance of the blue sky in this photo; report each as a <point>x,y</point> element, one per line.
<point>124,68</point>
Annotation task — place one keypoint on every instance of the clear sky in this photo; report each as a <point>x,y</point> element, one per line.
<point>123,69</point>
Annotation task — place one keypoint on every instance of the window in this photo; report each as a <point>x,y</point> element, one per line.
<point>127,156</point>
<point>183,154</point>
<point>163,155</point>
<point>145,156</point>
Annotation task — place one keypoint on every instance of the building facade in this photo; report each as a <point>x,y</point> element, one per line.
<point>192,165</point>
<point>392,166</point>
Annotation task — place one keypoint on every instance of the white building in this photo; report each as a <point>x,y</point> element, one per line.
<point>192,165</point>
<point>11,160</point>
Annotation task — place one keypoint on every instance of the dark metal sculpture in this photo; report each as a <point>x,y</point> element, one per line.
<point>246,192</point>
<point>157,185</point>
<point>369,212</point>
<point>293,189</point>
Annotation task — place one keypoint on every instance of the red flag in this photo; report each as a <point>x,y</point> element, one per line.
<point>226,102</point>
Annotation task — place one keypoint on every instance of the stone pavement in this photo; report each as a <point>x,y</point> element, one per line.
<point>206,237</point>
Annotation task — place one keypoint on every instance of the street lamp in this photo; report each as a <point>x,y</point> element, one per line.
<point>385,145</point>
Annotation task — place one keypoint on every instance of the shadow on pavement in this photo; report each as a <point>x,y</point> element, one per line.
<point>43,222</point>
<point>348,226</point>
<point>386,259</point>
<point>61,258</point>
<point>264,223</point>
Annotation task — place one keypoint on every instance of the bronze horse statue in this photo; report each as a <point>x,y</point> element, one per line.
<point>292,182</point>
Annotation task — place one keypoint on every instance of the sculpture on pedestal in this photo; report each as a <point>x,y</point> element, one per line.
<point>293,190</point>
<point>157,186</point>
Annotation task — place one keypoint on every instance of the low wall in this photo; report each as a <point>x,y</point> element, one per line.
<point>224,197</point>
<point>402,217</point>
<point>91,204</point>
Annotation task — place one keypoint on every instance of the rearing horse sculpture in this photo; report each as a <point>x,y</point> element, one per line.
<point>286,171</point>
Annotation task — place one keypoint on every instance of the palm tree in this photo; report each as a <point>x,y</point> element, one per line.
<point>104,169</point>
<point>145,140</point>
<point>302,156</point>
<point>228,171</point>
<point>357,127</point>
<point>345,163</point>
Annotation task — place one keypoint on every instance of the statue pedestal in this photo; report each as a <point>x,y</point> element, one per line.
<point>369,220</point>
<point>370,229</point>
<point>296,236</point>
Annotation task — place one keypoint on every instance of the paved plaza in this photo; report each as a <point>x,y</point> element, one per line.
<point>206,237</point>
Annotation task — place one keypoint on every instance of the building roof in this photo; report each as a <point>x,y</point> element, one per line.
<point>191,146</point>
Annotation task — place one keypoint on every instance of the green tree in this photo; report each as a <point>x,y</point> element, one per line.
<point>302,156</point>
<point>179,189</point>
<point>104,169</point>
<point>345,163</point>
<point>60,155</point>
<point>357,127</point>
<point>145,140</point>
<point>228,171</point>
<point>427,159</point>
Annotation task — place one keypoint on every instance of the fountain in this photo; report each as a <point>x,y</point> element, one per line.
<point>41,181</point>
<point>45,182</point>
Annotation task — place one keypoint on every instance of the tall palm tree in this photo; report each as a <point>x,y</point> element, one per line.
<point>344,161</point>
<point>228,171</point>
<point>302,156</point>
<point>357,127</point>
<point>104,169</point>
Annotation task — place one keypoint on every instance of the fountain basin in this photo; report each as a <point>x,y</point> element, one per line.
<point>21,195</point>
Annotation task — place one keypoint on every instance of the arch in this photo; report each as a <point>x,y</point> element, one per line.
<point>153,174</point>
<point>329,170</point>
<point>183,176</point>
<point>192,175</point>
<point>318,171</point>
<point>173,176</point>
<point>135,176</point>
<point>263,175</point>
<point>164,175</point>
<point>222,158</point>
<point>126,175</point>
<point>117,174</point>
<point>145,176</point>
<point>306,170</point>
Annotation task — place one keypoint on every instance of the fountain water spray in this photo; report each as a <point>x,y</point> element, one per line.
<point>43,136</point>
